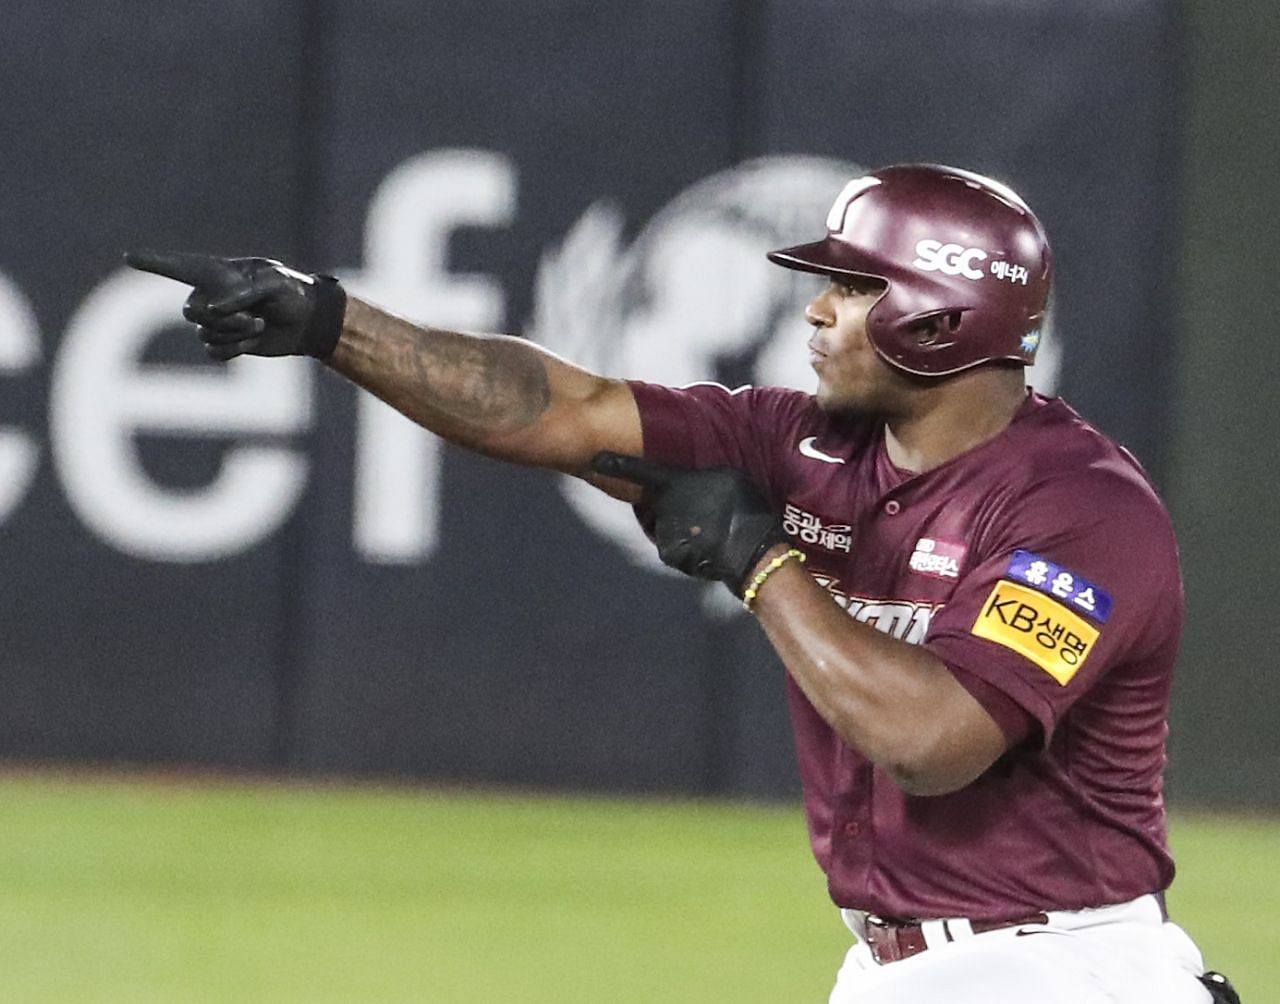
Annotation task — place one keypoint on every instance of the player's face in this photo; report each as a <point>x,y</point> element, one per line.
<point>851,376</point>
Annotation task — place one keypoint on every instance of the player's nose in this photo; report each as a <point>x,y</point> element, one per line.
<point>820,311</point>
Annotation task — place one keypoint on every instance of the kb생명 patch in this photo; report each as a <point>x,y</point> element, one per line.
<point>1038,627</point>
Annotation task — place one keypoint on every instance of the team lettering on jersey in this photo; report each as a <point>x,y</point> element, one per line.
<point>809,528</point>
<point>937,558</point>
<point>1038,610</point>
<point>902,619</point>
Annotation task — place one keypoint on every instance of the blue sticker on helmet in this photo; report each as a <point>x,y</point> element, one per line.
<point>1053,580</point>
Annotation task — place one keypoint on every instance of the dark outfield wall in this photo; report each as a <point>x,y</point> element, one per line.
<point>254,565</point>
<point>1225,456</point>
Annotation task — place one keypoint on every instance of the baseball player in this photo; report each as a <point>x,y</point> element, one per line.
<point>976,594</point>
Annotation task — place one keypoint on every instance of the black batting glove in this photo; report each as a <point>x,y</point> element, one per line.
<point>253,305</point>
<point>711,524</point>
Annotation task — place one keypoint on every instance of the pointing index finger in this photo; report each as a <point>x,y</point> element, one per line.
<point>203,271</point>
<point>640,470</point>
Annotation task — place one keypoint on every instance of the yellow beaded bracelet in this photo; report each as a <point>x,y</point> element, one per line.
<point>753,590</point>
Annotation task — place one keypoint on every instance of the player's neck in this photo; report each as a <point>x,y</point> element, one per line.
<point>951,418</point>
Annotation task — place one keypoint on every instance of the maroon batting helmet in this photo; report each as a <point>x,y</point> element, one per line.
<point>947,243</point>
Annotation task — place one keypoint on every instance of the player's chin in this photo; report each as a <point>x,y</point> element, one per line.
<point>840,399</point>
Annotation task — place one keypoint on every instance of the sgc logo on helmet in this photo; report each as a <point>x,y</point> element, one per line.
<point>949,259</point>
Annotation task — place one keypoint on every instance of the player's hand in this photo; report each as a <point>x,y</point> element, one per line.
<point>712,523</point>
<point>253,305</point>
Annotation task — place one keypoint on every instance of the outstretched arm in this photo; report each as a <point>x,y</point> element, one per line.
<point>499,395</point>
<point>496,394</point>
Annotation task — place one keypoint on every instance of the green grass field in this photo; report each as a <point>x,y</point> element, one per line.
<point>116,889</point>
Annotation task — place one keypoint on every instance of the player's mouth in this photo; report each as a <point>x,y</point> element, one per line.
<point>816,357</point>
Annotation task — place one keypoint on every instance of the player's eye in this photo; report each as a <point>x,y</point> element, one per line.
<point>858,286</point>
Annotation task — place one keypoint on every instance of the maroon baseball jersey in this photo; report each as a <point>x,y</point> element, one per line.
<point>1041,567</point>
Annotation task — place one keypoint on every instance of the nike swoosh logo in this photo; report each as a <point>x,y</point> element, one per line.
<point>813,453</point>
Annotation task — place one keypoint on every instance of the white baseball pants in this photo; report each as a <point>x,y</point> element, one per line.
<point>1124,954</point>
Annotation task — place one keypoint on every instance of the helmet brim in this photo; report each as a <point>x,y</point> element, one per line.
<point>831,256</point>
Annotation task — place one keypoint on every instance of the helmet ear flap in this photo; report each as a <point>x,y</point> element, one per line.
<point>934,329</point>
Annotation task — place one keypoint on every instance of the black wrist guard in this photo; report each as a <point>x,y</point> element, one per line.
<point>324,327</point>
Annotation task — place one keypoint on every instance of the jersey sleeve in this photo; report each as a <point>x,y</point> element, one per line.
<point>709,425</point>
<point>1080,580</point>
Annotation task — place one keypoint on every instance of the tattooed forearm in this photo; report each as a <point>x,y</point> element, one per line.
<point>489,383</point>
<point>466,387</point>
<point>499,395</point>
<point>481,391</point>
